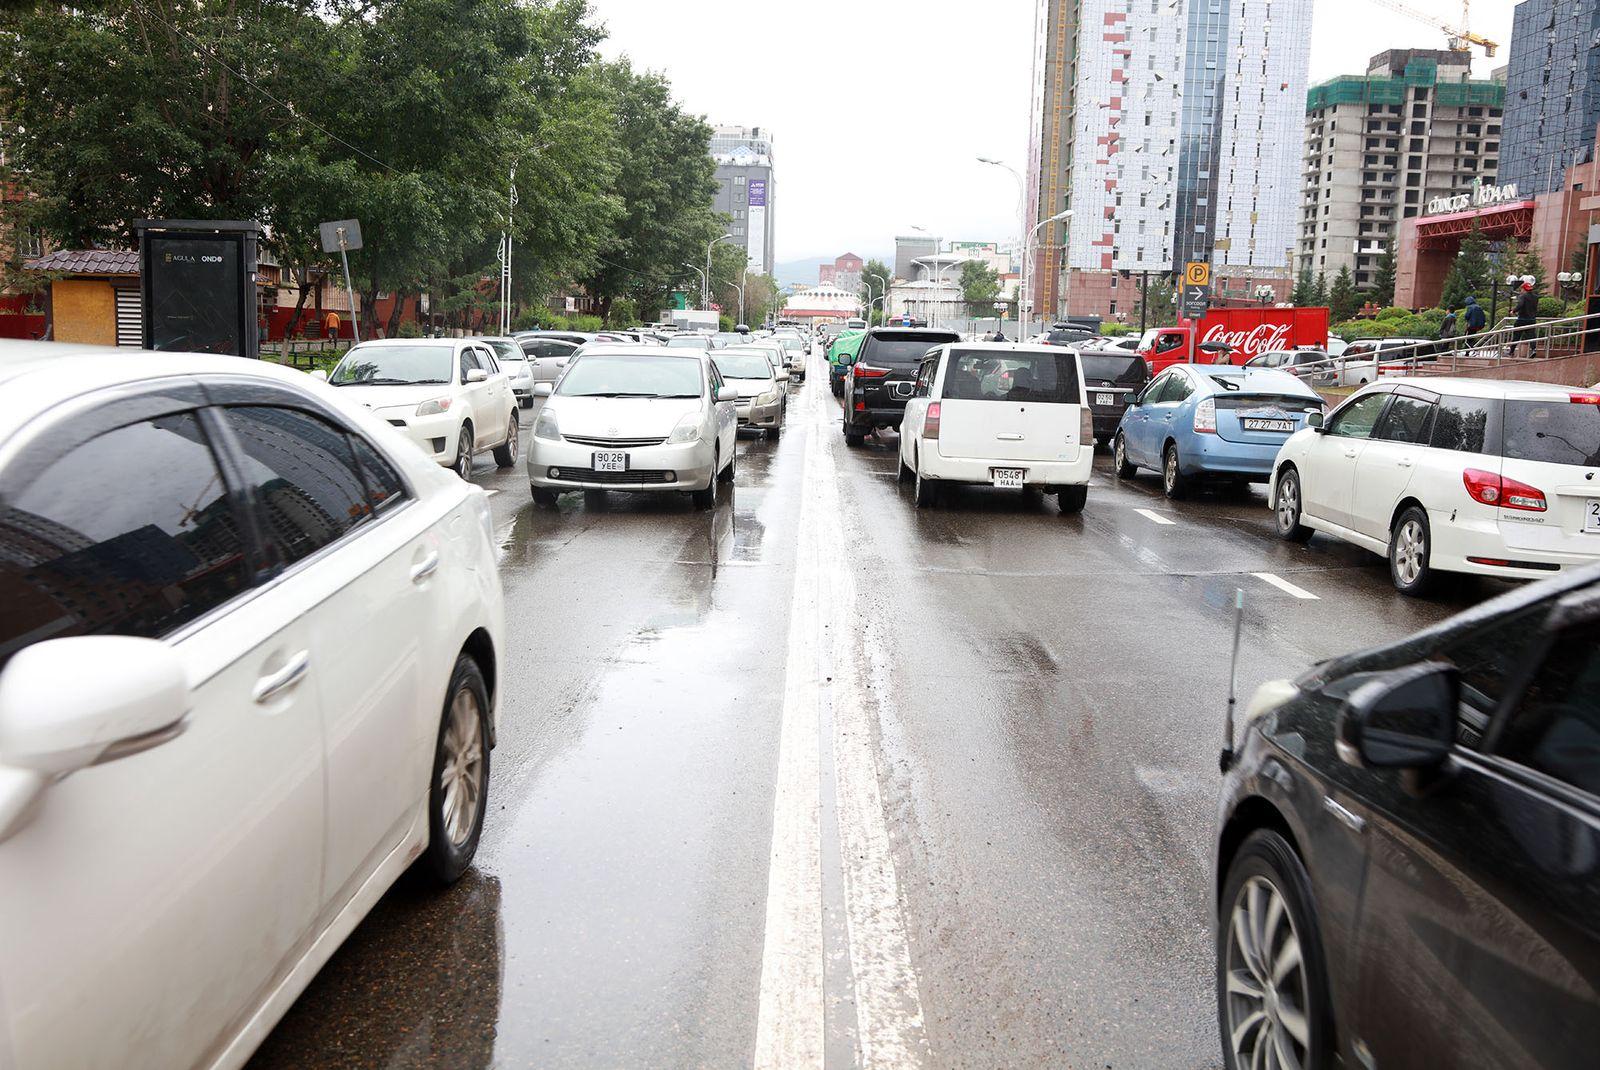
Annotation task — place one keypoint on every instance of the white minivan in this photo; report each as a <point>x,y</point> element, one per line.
<point>999,414</point>
<point>1450,475</point>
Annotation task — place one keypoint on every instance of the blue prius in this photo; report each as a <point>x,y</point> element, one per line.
<point>1196,421</point>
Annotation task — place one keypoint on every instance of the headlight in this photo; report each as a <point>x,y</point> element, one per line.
<point>688,430</point>
<point>545,426</point>
<point>769,398</point>
<point>434,407</point>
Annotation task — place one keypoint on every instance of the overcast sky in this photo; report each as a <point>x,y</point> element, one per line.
<point>879,108</point>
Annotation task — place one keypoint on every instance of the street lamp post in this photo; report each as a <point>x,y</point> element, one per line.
<point>1022,196</point>
<point>1026,281</point>
<point>883,295</point>
<point>705,294</point>
<point>1569,280</point>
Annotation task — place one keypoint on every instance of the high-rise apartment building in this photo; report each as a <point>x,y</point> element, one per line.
<point>1552,92</point>
<point>743,155</point>
<point>1171,129</point>
<point>1380,146</point>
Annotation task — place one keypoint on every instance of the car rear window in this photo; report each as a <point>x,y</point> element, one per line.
<point>1288,402</point>
<point>1462,424</point>
<point>1561,432</point>
<point>985,375</point>
<point>902,348</point>
<point>1125,367</point>
<point>1069,336</point>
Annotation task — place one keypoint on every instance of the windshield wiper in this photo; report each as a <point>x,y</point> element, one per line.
<point>378,380</point>
<point>614,394</point>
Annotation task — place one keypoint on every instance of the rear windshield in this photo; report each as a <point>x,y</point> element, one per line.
<point>1069,336</point>
<point>1287,402</point>
<point>1125,367</point>
<point>980,375</point>
<point>902,348</point>
<point>1560,432</point>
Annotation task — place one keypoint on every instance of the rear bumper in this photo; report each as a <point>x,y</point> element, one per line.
<point>1066,472</point>
<point>1106,422</point>
<point>1456,542</point>
<point>1213,455</point>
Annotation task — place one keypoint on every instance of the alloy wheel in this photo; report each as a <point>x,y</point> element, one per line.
<point>513,442</point>
<point>1288,503</point>
<point>1169,470</point>
<point>1268,994</point>
<point>1119,453</point>
<point>464,454</point>
<point>1410,546</point>
<point>461,772</point>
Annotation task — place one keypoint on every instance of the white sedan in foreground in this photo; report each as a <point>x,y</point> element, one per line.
<point>635,418</point>
<point>248,676</point>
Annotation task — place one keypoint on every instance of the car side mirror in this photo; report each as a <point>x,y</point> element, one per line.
<point>1314,421</point>
<point>56,719</point>
<point>783,376</point>
<point>1404,719</point>
<point>543,390</point>
<point>319,375</point>
<point>727,393</point>
<point>476,375</point>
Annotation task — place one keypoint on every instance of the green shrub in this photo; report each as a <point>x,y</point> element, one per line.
<point>1350,330</point>
<point>587,324</point>
<point>1393,312</point>
<point>1552,307</point>
<point>1112,329</point>
<point>409,329</point>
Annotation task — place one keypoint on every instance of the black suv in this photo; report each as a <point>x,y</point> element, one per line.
<point>884,376</point>
<point>1114,378</point>
<point>1408,856</point>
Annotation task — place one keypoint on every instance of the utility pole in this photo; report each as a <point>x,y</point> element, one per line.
<point>1144,298</point>
<point>705,292</point>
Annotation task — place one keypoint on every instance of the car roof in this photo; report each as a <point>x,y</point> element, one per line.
<point>1507,389</point>
<point>1250,378</point>
<point>631,349</point>
<point>389,342</point>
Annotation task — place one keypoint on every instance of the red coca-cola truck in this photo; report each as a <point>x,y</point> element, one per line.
<point>1234,336</point>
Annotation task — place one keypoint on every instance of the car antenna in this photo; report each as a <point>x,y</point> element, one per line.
<point>1225,759</point>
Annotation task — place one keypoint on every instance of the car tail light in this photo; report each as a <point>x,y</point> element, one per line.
<point>1490,488</point>
<point>930,423</point>
<point>1584,399</point>
<point>868,371</point>
<point>1085,425</point>
<point>1205,417</point>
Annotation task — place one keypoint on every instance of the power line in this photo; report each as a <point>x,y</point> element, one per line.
<point>286,105</point>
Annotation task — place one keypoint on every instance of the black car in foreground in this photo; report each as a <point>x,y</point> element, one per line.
<point>1408,854</point>
<point>884,376</point>
<point>1114,377</point>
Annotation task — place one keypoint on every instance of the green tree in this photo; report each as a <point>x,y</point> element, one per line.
<point>1531,263</point>
<point>1470,273</point>
<point>1304,288</point>
<point>1343,298</point>
<point>1155,307</point>
<point>1319,292</point>
<point>1382,290</point>
<point>980,285</point>
<point>665,184</point>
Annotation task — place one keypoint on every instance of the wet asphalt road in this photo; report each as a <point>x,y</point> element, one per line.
<point>1012,731</point>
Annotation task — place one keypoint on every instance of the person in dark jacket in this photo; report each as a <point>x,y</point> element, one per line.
<point>1447,326</point>
<point>1475,316</point>
<point>1527,309</point>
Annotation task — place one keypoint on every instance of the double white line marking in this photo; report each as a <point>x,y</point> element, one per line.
<point>822,687</point>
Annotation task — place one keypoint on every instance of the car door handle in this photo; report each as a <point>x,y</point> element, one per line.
<point>1350,453</point>
<point>426,567</point>
<point>275,682</point>
<point>1404,462</point>
<point>1009,436</point>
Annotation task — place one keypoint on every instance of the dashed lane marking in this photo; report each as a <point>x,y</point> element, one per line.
<point>1284,585</point>
<point>1151,514</point>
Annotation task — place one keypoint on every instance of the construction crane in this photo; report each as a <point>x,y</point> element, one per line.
<point>1461,38</point>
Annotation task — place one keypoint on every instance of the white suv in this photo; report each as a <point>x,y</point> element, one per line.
<point>1454,475</point>
<point>448,395</point>
<point>999,414</point>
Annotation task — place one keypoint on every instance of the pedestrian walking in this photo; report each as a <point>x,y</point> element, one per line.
<point>999,335</point>
<point>330,324</point>
<point>1527,309</point>
<point>1475,317</point>
<point>1447,326</point>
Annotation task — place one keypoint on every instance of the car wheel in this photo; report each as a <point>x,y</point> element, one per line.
<point>464,454</point>
<point>543,496</point>
<point>732,467</point>
<point>854,438</point>
<point>1173,483</point>
<point>505,454</point>
<point>1073,498</point>
<point>904,475</point>
<point>927,491</point>
<point>460,784</point>
<point>1272,987</point>
<point>707,498</point>
<point>1119,457</point>
<point>1287,515</point>
<point>772,433</point>
<point>1410,544</point>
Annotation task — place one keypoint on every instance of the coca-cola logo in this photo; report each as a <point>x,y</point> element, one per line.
<point>1262,338</point>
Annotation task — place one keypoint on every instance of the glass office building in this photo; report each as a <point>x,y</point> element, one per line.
<point>1552,92</point>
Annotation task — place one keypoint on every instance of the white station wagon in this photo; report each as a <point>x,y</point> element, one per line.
<point>1450,475</point>
<point>999,414</point>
